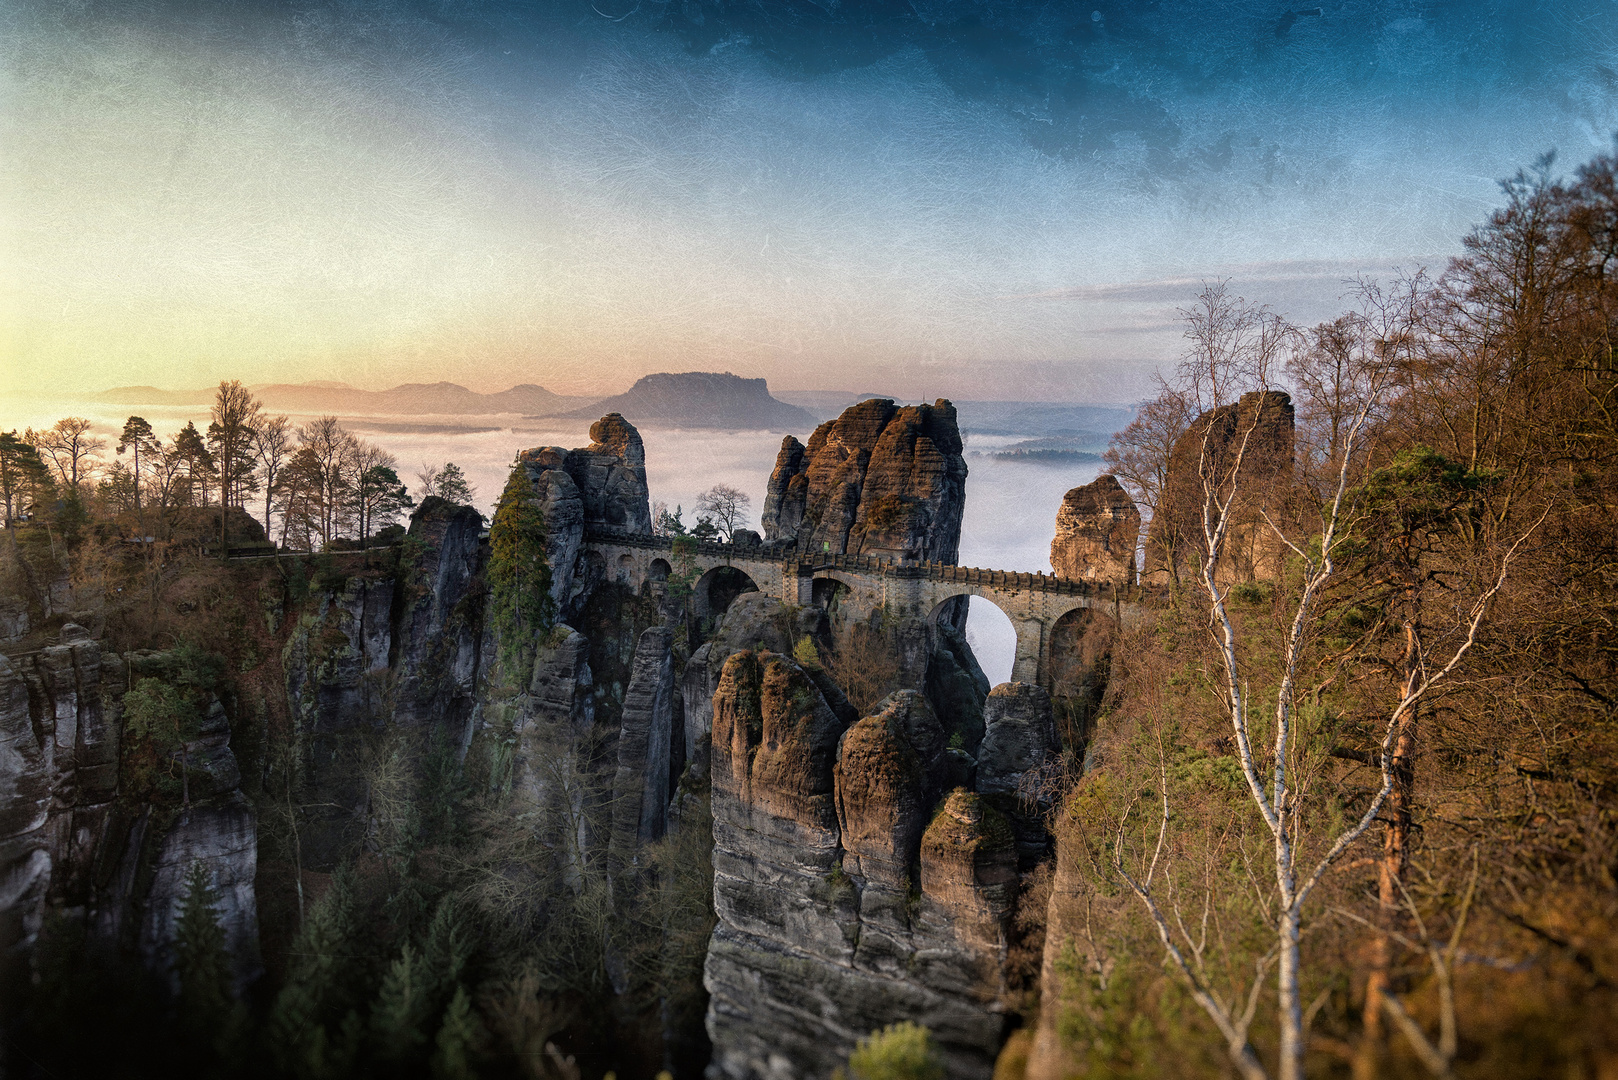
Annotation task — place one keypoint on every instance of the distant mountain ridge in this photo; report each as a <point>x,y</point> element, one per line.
<point>702,399</point>
<point>336,397</point>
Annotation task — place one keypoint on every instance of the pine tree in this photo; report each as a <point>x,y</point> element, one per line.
<point>202,963</point>
<point>399,1011</point>
<point>457,1036</point>
<point>451,484</point>
<point>315,993</point>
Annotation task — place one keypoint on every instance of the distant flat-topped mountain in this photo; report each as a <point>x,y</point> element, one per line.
<point>702,399</point>
<point>336,397</point>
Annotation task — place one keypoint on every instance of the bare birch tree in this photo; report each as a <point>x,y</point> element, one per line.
<point>1236,348</point>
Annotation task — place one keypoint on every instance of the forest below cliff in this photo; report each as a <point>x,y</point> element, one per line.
<point>1328,788</point>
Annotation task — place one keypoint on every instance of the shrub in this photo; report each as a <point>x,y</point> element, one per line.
<point>902,1051</point>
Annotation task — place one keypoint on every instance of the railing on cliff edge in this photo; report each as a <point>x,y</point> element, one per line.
<point>868,564</point>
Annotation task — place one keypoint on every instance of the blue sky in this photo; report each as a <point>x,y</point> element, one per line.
<point>927,198</point>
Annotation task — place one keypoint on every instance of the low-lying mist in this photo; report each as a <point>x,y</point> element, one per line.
<point>1010,506</point>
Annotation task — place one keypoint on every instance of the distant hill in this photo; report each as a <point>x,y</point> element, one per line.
<point>702,399</point>
<point>334,397</point>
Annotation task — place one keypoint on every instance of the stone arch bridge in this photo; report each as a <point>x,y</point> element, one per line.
<point>1034,603</point>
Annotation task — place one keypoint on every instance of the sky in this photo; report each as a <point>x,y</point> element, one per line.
<point>921,198</point>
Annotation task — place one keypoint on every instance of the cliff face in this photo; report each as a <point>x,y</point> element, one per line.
<point>852,890</point>
<point>1096,530</point>
<point>67,840</point>
<point>879,480</point>
<point>1263,424</point>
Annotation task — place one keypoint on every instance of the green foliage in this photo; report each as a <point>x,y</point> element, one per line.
<point>1199,770</point>
<point>451,484</point>
<point>158,711</point>
<point>805,653</point>
<point>402,1006</point>
<point>208,1016</point>
<point>318,989</point>
<point>328,575</point>
<point>519,572</point>
<point>684,572</point>
<point>458,1035</point>
<point>667,524</point>
<point>201,959</point>
<point>902,1051</point>
<point>24,478</point>
<point>71,518</point>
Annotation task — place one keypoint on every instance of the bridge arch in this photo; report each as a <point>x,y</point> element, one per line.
<point>717,589</point>
<point>1078,661</point>
<point>995,638</point>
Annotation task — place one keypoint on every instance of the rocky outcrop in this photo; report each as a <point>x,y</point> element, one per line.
<point>1019,737</point>
<point>879,480</point>
<point>1019,740</point>
<point>436,652</point>
<point>559,706</point>
<point>753,621</point>
<point>889,769</point>
<point>640,790</point>
<point>562,509</point>
<point>221,834</point>
<point>969,868</point>
<point>956,685</point>
<point>836,914</point>
<point>1259,428</point>
<point>1096,531</point>
<point>601,486</point>
<point>58,776</point>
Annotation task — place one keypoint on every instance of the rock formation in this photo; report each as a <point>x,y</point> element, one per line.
<point>1259,427</point>
<point>879,480</point>
<point>852,890</point>
<point>752,621</point>
<point>1096,530</point>
<point>602,486</point>
<point>65,840</point>
<point>1019,739</point>
<point>640,790</point>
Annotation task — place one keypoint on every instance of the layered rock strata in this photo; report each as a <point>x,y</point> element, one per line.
<point>879,480</point>
<point>1257,429</point>
<point>1096,531</point>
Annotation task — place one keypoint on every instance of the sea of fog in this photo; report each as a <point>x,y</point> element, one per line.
<point>1010,506</point>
